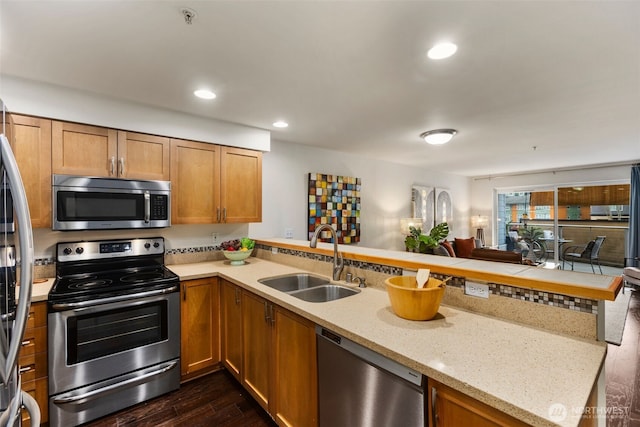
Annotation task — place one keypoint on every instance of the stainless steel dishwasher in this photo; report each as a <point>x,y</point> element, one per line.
<point>359,387</point>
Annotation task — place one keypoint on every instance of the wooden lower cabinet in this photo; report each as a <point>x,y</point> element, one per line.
<point>200,327</point>
<point>452,408</point>
<point>33,361</point>
<point>279,361</point>
<point>295,370</point>
<point>231,327</point>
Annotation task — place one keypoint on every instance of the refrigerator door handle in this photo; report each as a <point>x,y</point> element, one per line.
<point>25,235</point>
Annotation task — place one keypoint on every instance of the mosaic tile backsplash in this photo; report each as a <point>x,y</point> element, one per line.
<point>523,294</point>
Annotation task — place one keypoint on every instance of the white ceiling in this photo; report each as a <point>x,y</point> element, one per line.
<point>534,84</point>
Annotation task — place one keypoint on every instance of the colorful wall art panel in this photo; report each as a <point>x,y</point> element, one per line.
<point>335,200</point>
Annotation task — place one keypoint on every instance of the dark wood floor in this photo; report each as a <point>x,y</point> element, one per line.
<point>218,400</point>
<point>214,400</point>
<point>623,372</point>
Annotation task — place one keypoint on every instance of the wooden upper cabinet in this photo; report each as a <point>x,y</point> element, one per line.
<point>97,151</point>
<point>32,148</point>
<point>142,156</point>
<point>214,184</point>
<point>241,185</point>
<point>84,150</point>
<point>195,189</point>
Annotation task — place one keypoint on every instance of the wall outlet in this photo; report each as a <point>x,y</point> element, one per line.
<point>274,250</point>
<point>214,238</point>
<point>476,289</point>
<point>288,233</point>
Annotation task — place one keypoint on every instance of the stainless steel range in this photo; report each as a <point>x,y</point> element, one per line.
<point>114,328</point>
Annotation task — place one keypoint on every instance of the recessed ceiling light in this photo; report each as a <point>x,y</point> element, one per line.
<point>280,124</point>
<point>442,50</point>
<point>204,94</point>
<point>438,136</point>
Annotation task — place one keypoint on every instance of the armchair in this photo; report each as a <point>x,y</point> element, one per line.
<point>588,252</point>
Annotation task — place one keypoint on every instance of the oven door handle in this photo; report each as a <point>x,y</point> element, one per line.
<point>72,305</point>
<point>77,399</point>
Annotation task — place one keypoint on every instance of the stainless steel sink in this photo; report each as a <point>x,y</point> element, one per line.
<point>308,287</point>
<point>324,293</point>
<point>294,282</point>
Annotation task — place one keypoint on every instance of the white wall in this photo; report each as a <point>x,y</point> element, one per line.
<point>385,195</point>
<point>55,102</point>
<point>483,189</point>
<point>386,187</point>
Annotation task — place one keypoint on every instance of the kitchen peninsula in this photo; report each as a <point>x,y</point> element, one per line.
<point>524,372</point>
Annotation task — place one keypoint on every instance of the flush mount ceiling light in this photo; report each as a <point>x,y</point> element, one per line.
<point>438,136</point>
<point>204,94</point>
<point>280,124</point>
<point>442,50</point>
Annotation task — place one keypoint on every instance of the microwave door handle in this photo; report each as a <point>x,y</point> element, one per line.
<point>147,207</point>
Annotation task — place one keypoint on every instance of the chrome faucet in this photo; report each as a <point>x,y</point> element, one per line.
<point>338,263</point>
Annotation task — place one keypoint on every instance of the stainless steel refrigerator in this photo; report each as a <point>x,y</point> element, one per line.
<point>16,255</point>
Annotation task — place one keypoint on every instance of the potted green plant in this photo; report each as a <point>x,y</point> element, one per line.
<point>425,243</point>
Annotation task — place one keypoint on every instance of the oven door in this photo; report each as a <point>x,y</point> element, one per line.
<point>88,345</point>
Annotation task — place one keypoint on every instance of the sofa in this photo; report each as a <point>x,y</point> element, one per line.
<point>472,248</point>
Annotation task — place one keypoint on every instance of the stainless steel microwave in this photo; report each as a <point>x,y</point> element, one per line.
<point>90,203</point>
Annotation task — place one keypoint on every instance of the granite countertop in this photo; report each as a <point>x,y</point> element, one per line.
<point>519,370</point>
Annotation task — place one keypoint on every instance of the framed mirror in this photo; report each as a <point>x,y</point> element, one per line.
<point>423,205</point>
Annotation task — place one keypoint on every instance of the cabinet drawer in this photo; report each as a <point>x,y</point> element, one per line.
<point>34,341</point>
<point>33,366</point>
<point>37,315</point>
<point>38,389</point>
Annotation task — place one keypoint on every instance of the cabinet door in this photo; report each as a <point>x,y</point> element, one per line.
<point>32,149</point>
<point>231,326</point>
<point>452,408</point>
<point>195,181</point>
<point>83,150</point>
<point>256,331</point>
<point>200,341</point>
<point>241,185</point>
<point>142,156</point>
<point>295,379</point>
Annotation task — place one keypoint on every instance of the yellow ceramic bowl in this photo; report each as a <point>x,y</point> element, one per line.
<point>413,303</point>
<point>237,257</point>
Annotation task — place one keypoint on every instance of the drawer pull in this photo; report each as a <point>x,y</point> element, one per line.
<point>24,369</point>
<point>26,343</point>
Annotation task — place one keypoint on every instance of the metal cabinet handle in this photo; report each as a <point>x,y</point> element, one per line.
<point>273,315</point>
<point>237,291</point>
<point>26,342</point>
<point>24,369</point>
<point>121,166</point>
<point>112,170</point>
<point>224,214</point>
<point>218,214</point>
<point>267,317</point>
<point>434,415</point>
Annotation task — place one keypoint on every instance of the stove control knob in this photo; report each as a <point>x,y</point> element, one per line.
<point>79,250</point>
<point>67,251</point>
<point>147,245</point>
<point>156,245</point>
